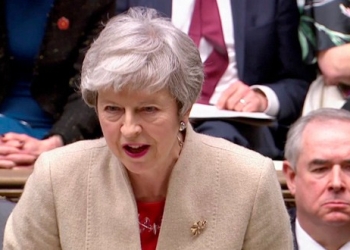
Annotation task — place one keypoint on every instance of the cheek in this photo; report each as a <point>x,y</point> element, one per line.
<point>309,191</point>
<point>165,136</point>
<point>164,127</point>
<point>110,131</point>
<point>168,134</point>
<point>112,135</point>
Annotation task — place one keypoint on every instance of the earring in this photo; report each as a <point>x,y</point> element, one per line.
<point>180,141</point>
<point>182,126</point>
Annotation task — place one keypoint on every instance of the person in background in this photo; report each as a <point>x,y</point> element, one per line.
<point>42,45</point>
<point>317,171</point>
<point>325,40</point>
<point>253,63</point>
<point>151,182</point>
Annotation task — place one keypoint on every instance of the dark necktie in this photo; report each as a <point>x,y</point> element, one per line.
<point>206,23</point>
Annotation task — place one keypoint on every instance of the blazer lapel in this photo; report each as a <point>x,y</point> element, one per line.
<point>239,24</point>
<point>189,200</point>
<point>112,220</point>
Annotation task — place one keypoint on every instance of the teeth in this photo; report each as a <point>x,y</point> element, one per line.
<point>135,147</point>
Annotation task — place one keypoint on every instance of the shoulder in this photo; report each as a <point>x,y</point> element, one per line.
<point>82,146</point>
<point>233,154</point>
<point>75,155</point>
<point>67,169</point>
<point>230,163</point>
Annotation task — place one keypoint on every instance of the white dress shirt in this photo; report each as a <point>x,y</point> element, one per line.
<point>182,11</point>
<point>305,242</point>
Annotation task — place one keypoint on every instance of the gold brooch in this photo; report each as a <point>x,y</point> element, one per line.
<point>198,227</point>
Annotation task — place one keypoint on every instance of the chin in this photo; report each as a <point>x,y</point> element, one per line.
<point>136,168</point>
<point>337,219</point>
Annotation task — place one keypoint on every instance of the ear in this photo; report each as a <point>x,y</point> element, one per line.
<point>185,118</point>
<point>289,174</point>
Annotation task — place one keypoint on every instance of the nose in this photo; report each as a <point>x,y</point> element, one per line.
<point>130,127</point>
<point>336,179</point>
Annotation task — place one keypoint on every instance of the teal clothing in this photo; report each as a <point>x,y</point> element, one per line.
<point>323,24</point>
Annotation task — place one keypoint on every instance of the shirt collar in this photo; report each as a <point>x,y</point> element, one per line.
<point>305,242</point>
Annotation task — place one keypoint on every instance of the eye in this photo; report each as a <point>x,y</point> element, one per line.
<point>112,109</point>
<point>319,166</point>
<point>319,170</point>
<point>346,167</point>
<point>149,109</point>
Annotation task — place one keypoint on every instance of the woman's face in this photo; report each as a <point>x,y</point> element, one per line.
<point>141,129</point>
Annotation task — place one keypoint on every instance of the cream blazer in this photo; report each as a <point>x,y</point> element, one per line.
<point>79,197</point>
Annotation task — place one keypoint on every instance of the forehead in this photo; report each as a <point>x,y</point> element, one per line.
<point>326,139</point>
<point>108,94</point>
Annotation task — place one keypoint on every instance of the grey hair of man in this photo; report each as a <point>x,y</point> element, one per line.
<point>293,146</point>
<point>141,50</point>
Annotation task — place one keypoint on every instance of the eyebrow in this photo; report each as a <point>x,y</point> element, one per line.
<point>319,162</point>
<point>323,162</point>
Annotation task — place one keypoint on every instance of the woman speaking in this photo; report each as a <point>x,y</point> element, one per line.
<point>151,182</point>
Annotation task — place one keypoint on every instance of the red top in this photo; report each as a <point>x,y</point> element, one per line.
<point>150,219</point>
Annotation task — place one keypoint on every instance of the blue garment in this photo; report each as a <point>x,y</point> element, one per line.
<point>26,22</point>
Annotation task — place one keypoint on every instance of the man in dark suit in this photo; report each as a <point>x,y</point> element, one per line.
<point>317,171</point>
<point>264,72</point>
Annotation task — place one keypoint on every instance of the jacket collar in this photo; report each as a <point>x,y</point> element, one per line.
<point>113,204</point>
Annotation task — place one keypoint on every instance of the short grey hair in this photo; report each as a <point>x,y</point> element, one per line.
<point>141,50</point>
<point>293,146</point>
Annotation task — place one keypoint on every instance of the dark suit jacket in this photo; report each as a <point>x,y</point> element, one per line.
<point>293,216</point>
<point>57,67</point>
<point>267,48</point>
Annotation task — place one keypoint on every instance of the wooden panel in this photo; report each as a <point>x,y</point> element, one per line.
<point>14,177</point>
<point>12,182</point>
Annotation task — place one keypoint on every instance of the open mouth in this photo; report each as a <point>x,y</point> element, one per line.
<point>136,151</point>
